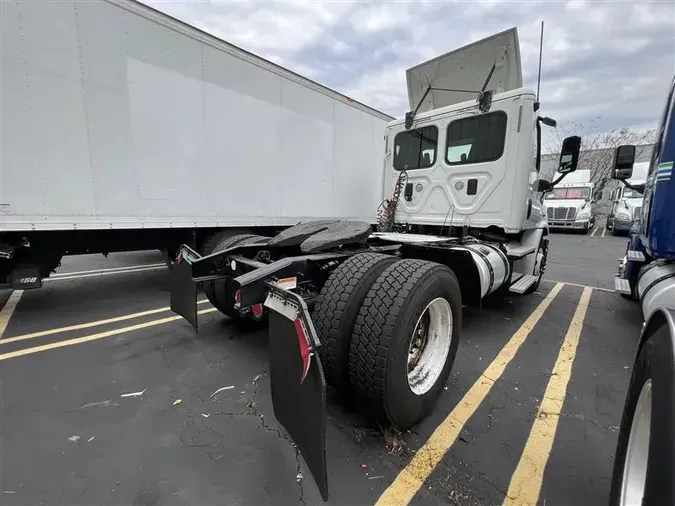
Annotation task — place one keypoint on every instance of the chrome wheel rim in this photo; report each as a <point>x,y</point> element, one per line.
<point>429,346</point>
<point>637,451</point>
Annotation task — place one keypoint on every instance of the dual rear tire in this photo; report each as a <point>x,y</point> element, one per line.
<point>390,330</point>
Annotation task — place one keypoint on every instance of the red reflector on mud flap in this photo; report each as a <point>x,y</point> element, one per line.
<point>305,349</point>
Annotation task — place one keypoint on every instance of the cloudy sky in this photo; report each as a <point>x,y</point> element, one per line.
<point>611,61</point>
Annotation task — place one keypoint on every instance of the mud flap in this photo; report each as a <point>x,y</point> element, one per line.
<point>184,292</point>
<point>25,278</point>
<point>297,380</point>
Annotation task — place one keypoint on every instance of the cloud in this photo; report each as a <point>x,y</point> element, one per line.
<point>612,60</point>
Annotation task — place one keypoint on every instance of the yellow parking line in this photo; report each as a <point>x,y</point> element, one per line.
<point>604,229</point>
<point>526,480</point>
<point>411,478</point>
<point>595,231</point>
<point>86,325</point>
<point>8,309</point>
<point>580,285</point>
<point>93,337</point>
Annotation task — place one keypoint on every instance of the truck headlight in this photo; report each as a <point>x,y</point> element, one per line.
<point>583,216</point>
<point>624,216</point>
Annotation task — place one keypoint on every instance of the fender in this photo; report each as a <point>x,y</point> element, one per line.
<point>531,237</point>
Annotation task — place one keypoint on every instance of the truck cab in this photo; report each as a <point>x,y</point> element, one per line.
<point>652,238</point>
<point>570,204</point>
<point>626,202</point>
<point>467,158</point>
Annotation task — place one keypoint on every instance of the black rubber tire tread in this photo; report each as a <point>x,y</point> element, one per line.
<point>380,334</point>
<point>212,241</point>
<point>654,362</point>
<point>215,290</point>
<point>208,247</point>
<point>224,300</point>
<point>537,283</point>
<point>338,306</point>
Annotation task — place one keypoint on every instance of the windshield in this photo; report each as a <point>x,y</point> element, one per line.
<point>631,194</point>
<point>569,193</point>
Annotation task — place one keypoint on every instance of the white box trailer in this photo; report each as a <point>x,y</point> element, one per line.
<point>123,128</point>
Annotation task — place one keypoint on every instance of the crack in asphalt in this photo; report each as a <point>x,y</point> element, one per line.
<point>251,410</point>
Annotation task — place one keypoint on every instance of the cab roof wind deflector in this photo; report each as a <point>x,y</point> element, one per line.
<point>484,98</point>
<point>445,80</point>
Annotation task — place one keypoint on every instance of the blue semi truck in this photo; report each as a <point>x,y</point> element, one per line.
<point>644,466</point>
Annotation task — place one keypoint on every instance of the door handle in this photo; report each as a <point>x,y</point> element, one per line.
<point>408,192</point>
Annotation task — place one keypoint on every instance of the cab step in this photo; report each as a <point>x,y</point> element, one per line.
<point>622,286</point>
<point>635,256</point>
<point>521,285</point>
<point>516,250</point>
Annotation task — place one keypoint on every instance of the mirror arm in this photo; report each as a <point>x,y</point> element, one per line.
<point>640,188</point>
<point>550,187</point>
<point>553,183</point>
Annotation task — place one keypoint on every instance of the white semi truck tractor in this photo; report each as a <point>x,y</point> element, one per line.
<point>627,202</point>
<point>377,312</point>
<point>570,205</point>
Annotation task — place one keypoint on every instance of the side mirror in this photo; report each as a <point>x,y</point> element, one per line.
<point>569,154</point>
<point>548,121</point>
<point>623,162</point>
<point>542,185</point>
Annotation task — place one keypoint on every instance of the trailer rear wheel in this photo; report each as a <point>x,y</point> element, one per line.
<point>405,340</point>
<point>338,306</point>
<point>217,291</point>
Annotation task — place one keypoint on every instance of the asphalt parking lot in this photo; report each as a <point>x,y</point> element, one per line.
<point>107,398</point>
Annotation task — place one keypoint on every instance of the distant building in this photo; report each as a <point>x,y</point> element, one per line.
<point>596,160</point>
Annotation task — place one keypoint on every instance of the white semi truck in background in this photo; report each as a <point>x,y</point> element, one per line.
<point>125,129</point>
<point>627,202</point>
<point>570,205</point>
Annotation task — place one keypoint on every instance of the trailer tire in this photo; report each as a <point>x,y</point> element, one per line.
<point>336,310</point>
<point>385,330</point>
<point>217,291</point>
<point>650,396</point>
<point>211,242</point>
